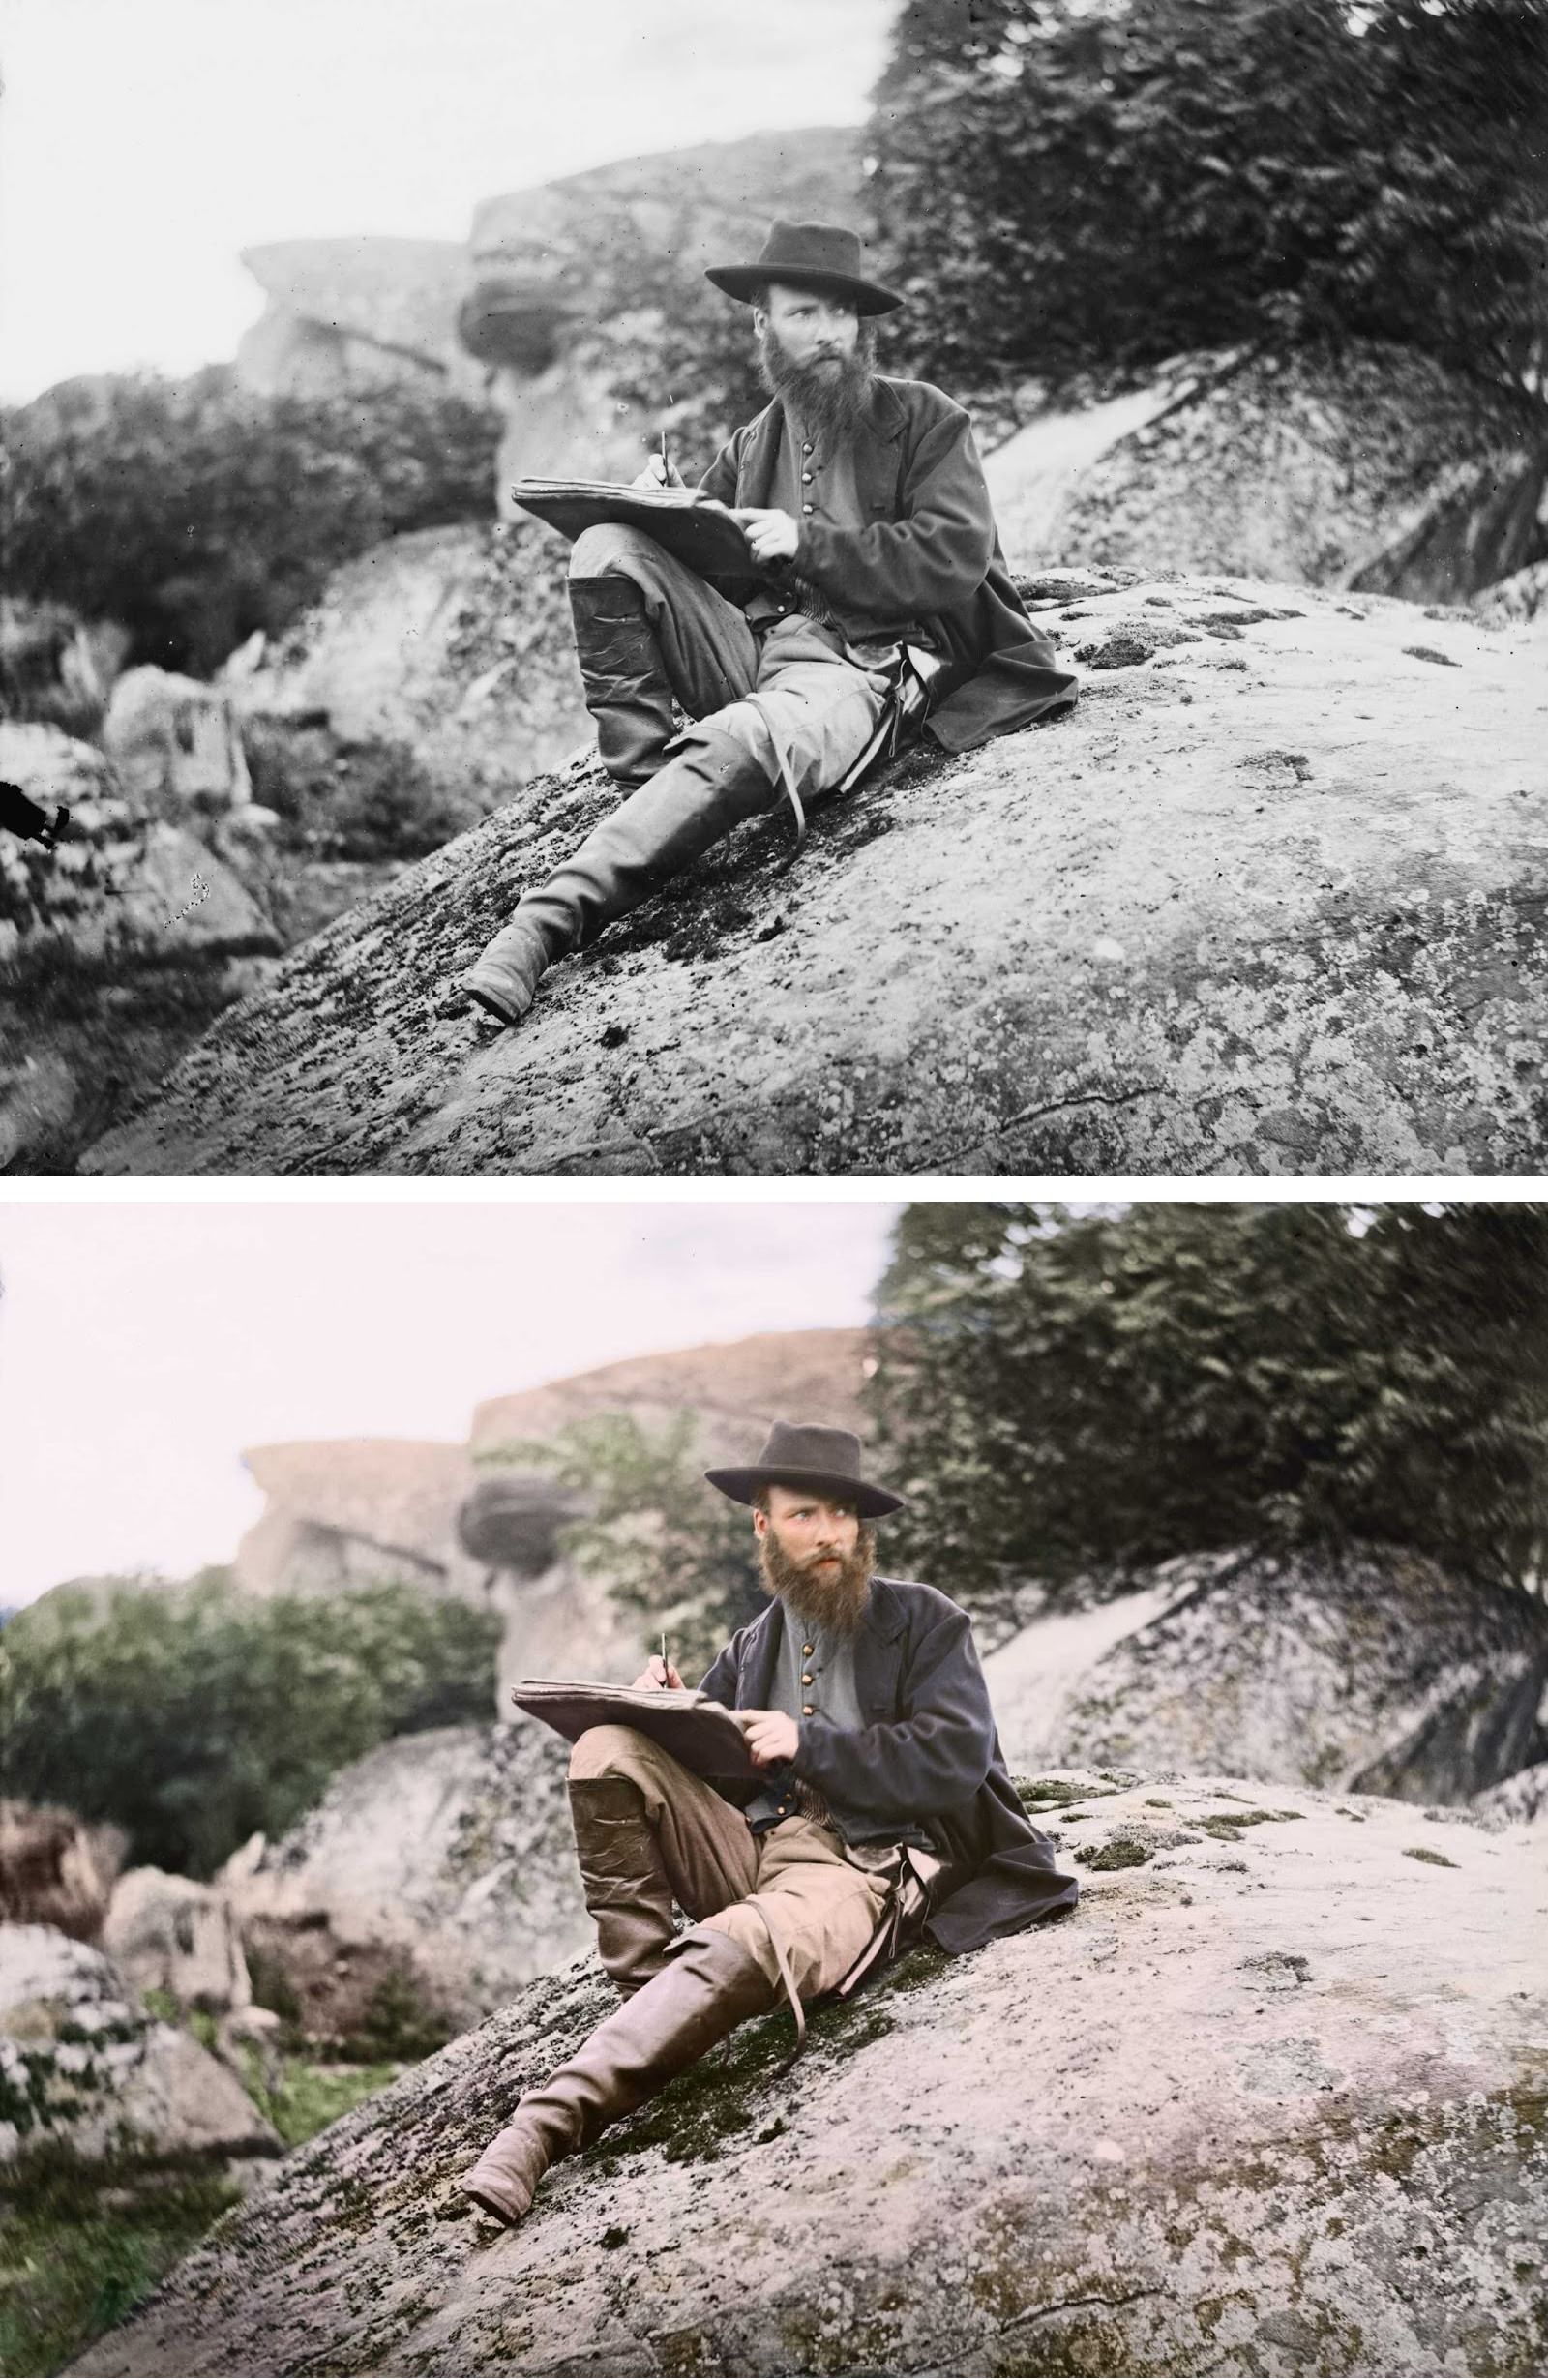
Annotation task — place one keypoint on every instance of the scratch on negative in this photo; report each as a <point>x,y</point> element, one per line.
<point>1085,1099</point>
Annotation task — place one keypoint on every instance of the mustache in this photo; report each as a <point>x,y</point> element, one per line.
<point>827,1587</point>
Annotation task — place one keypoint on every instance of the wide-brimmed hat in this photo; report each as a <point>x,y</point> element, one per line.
<point>802,1454</point>
<point>821,257</point>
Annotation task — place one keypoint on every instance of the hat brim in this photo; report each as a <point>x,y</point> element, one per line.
<point>741,280</point>
<point>871,1502</point>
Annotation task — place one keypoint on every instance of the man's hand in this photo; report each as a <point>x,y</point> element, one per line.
<point>771,1736</point>
<point>772,536</point>
<point>659,474</point>
<point>660,1672</point>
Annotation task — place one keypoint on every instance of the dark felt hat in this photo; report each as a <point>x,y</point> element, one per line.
<point>802,1454</point>
<point>821,257</point>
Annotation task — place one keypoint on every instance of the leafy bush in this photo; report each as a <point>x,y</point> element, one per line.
<point>194,1717</point>
<point>662,1541</point>
<point>1062,183</point>
<point>1059,1392</point>
<point>196,511</point>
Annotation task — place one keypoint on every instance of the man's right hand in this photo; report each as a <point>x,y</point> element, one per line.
<point>659,1673</point>
<point>659,474</point>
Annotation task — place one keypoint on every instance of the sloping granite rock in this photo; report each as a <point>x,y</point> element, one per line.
<point>1370,466</point>
<point>1270,2101</point>
<point>1270,902</point>
<point>1377,1674</point>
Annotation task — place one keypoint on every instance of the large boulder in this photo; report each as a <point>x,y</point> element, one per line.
<point>55,1871</point>
<point>446,1855</point>
<point>355,312</point>
<point>1269,2101</point>
<point>116,948</point>
<point>84,2069</point>
<point>175,745</point>
<point>1521,1798</point>
<point>1366,465</point>
<point>434,676</point>
<point>172,1935</point>
<point>1375,1673</point>
<point>1267,903</point>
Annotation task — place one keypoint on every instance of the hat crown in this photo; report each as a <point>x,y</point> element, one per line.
<point>813,247</point>
<point>799,1445</point>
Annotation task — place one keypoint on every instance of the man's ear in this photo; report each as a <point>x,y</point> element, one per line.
<point>760,321</point>
<point>760,1522</point>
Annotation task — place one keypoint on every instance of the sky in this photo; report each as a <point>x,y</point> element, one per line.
<point>143,143</point>
<point>144,1345</point>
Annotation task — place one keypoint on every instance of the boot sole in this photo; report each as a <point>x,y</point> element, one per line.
<point>491,2205</point>
<point>492,1006</point>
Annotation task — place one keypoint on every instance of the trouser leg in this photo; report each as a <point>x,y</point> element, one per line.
<point>710,786</point>
<point>648,629</point>
<point>709,1985</point>
<point>648,1833</point>
<point>809,1900</point>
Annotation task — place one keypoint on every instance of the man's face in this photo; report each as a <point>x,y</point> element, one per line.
<point>807,328</point>
<point>813,1534</point>
<point>816,1555</point>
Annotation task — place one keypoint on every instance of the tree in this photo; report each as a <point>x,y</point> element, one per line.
<point>195,1716</point>
<point>657,1537</point>
<point>196,511</point>
<point>1064,185</point>
<point>1057,1392</point>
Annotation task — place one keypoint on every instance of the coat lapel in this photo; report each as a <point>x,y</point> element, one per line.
<point>760,1653</point>
<point>878,1653</point>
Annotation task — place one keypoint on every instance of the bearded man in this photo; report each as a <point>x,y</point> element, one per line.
<point>881,1789</point>
<point>865,510</point>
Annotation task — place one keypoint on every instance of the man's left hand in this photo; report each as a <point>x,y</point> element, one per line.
<point>771,1736</point>
<point>772,536</point>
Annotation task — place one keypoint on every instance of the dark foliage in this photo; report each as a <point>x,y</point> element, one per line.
<point>1059,1392</point>
<point>196,511</point>
<point>1063,186</point>
<point>195,1716</point>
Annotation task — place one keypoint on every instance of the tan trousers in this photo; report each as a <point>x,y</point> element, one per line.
<point>798,700</point>
<point>793,1881</point>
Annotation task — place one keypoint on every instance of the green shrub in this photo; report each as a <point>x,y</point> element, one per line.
<point>196,511</point>
<point>195,1716</point>
<point>1061,184</point>
<point>1059,1391</point>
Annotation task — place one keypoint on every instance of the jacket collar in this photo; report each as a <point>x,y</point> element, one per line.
<point>884,1622</point>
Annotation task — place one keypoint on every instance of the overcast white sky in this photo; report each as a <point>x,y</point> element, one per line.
<point>144,1345</point>
<point>144,143</point>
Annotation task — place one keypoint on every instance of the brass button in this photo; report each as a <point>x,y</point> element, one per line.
<point>807,1680</point>
<point>806,508</point>
<point>806,478</point>
<point>806,1710</point>
<point>809,1648</point>
<point>807,447</point>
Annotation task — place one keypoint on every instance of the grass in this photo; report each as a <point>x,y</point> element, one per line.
<point>81,2246</point>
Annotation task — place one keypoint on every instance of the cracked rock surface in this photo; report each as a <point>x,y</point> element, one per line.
<point>1269,901</point>
<point>1270,2101</point>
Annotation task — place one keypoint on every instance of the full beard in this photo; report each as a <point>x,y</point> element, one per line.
<point>827,397</point>
<point>833,1596</point>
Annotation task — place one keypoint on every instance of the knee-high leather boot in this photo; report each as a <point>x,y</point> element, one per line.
<point>707,1987</point>
<point>701,794</point>
<point>627,690</point>
<point>625,1886</point>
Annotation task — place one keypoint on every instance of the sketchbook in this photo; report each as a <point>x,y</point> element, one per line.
<point>697,529</point>
<point>702,1734</point>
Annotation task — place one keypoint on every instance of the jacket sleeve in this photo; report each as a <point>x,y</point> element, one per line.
<point>719,1682</point>
<point>720,480</point>
<point>931,560</point>
<point>934,1759</point>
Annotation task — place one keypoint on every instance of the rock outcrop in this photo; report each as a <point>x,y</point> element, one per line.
<point>1267,903</point>
<point>55,1871</point>
<point>171,1935</point>
<point>116,948</point>
<point>176,747</point>
<point>1368,466</point>
<point>1521,1798</point>
<point>434,676</point>
<point>350,313</point>
<point>479,1522</point>
<point>83,2067</point>
<point>1374,1673</point>
<point>1270,2099</point>
<point>446,1855</point>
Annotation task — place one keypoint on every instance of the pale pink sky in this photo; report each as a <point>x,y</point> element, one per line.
<point>143,1344</point>
<point>144,143</point>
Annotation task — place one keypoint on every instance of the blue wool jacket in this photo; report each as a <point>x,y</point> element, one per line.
<point>928,1751</point>
<point>930,551</point>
